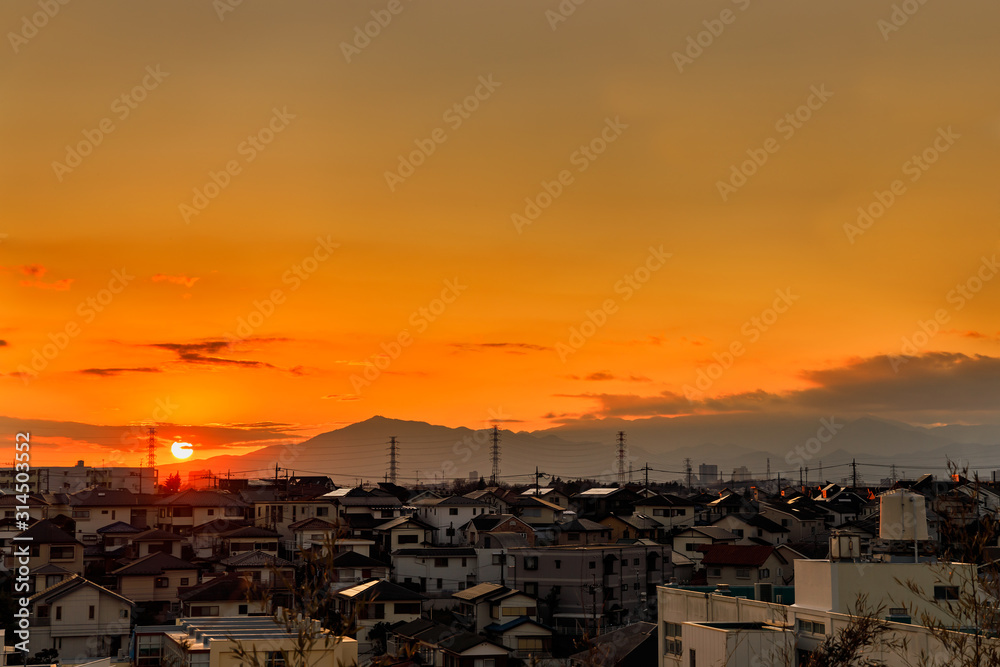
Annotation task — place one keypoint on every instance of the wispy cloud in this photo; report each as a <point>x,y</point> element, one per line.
<point>342,397</point>
<point>35,273</point>
<point>510,348</point>
<point>109,372</point>
<point>186,281</point>
<point>209,352</point>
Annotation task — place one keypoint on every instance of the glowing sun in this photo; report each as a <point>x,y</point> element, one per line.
<point>181,450</point>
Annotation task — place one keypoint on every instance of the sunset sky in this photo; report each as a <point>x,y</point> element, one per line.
<point>252,315</point>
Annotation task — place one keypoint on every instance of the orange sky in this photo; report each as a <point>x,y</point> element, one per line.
<point>279,71</point>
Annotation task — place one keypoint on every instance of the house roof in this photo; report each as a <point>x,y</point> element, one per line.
<point>225,588</point>
<point>379,589</point>
<point>70,584</point>
<point>736,554</point>
<point>402,521</point>
<point>49,568</point>
<point>582,526</point>
<point>501,539</point>
<point>501,628</point>
<point>156,535</point>
<point>203,498</point>
<point>154,563</point>
<point>634,644</point>
<point>480,591</point>
<point>354,559</point>
<point>47,532</point>
<point>98,497</point>
<point>219,525</point>
<point>714,532</point>
<point>118,527</point>
<point>438,552</point>
<point>255,559</point>
<point>312,523</point>
<point>460,501</point>
<point>537,502</point>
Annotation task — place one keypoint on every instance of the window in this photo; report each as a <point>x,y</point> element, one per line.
<point>784,522</point>
<point>452,511</point>
<point>691,546</point>
<point>624,587</point>
<point>43,611</point>
<point>742,573</point>
<point>244,609</point>
<point>530,644</point>
<point>274,659</point>
<point>407,539</point>
<point>322,511</point>
<point>738,532</point>
<point>406,608</point>
<point>658,512</point>
<point>387,514</point>
<point>161,582</point>
<point>764,573</point>
<point>558,564</point>
<point>440,562</point>
<point>715,571</point>
<point>90,612</point>
<point>812,627</point>
<point>449,532</point>
<point>58,613</point>
<point>77,514</point>
<point>531,562</point>
<point>211,512</point>
<point>946,592</point>
<point>693,660</point>
<point>531,588</point>
<point>498,559</point>
<point>184,581</point>
<point>672,638</point>
<point>123,613</point>
<point>62,553</point>
<point>592,565</point>
<point>573,537</point>
<point>440,583</point>
<point>518,611</point>
<point>205,610</point>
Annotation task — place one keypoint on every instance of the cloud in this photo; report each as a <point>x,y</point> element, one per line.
<point>108,372</point>
<point>978,335</point>
<point>932,387</point>
<point>206,352</point>
<point>3,343</point>
<point>510,348</point>
<point>186,281</point>
<point>601,376</point>
<point>342,397</point>
<point>35,272</point>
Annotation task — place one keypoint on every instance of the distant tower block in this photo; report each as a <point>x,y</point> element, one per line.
<point>621,458</point>
<point>495,456</point>
<point>393,459</point>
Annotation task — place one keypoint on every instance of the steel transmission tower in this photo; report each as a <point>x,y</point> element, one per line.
<point>621,458</point>
<point>151,448</point>
<point>495,456</point>
<point>393,453</point>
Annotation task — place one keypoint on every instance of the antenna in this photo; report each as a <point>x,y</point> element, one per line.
<point>393,452</point>
<point>621,458</point>
<point>495,456</point>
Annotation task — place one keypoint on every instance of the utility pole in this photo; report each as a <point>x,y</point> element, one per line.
<point>854,473</point>
<point>537,475</point>
<point>495,456</point>
<point>687,472</point>
<point>621,458</point>
<point>646,483</point>
<point>393,452</point>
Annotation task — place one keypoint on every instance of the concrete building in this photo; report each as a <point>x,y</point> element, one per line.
<point>708,474</point>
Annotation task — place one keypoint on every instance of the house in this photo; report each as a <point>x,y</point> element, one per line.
<point>351,566</point>
<point>438,571</point>
<point>152,541</point>
<point>78,618</point>
<point>206,538</point>
<point>181,512</point>
<point>249,538</point>
<point>548,494</point>
<point>93,509</point>
<point>496,523</point>
<point>754,529</point>
<point>526,638</point>
<point>445,646</point>
<point>729,502</point>
<point>590,586</point>
<point>448,515</point>
<point>537,512</point>
<point>45,543</point>
<point>313,532</point>
<point>403,532</point>
<point>669,510</point>
<point>744,565</point>
<point>691,540</point>
<point>487,603</point>
<point>373,602</point>
<point>496,499</point>
<point>262,568</point>
<point>581,532</point>
<point>803,523</point>
<point>153,580</point>
<point>279,510</point>
<point>226,595</point>
<point>212,642</point>
<point>116,535</point>
<point>637,526</point>
<point>599,502</point>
